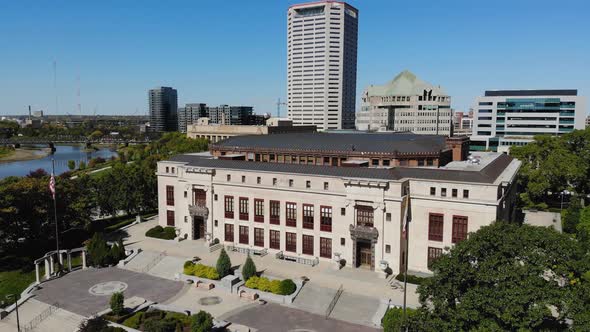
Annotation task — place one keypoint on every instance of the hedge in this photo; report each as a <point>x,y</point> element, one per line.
<point>201,271</point>
<point>159,232</point>
<point>411,279</point>
<point>280,287</point>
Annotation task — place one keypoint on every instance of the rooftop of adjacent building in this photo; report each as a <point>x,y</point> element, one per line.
<point>404,84</point>
<point>527,93</point>
<point>313,3</point>
<point>359,142</point>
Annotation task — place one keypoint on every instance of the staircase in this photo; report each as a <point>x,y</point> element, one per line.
<point>394,283</point>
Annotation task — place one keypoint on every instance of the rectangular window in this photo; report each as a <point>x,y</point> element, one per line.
<point>228,177</point>
<point>307,245</point>
<point>342,211</point>
<point>326,218</point>
<point>170,218</point>
<point>386,162</point>
<point>432,191</point>
<point>443,192</point>
<point>258,210</point>
<point>291,214</point>
<point>308,184</point>
<point>290,182</point>
<point>259,237</point>
<point>229,232</point>
<point>243,208</point>
<point>364,216</point>
<point>325,185</point>
<point>375,162</point>
<point>244,234</point>
<point>342,241</point>
<point>274,181</point>
<point>433,253</point>
<point>465,193</point>
<point>388,216</point>
<point>325,247</point>
<point>258,180</point>
<point>454,192</point>
<point>229,206</point>
<point>387,249</point>
<point>170,195</point>
<point>243,178</point>
<point>275,212</point>
<point>308,216</point>
<point>459,229</point>
<point>291,242</point>
<point>275,239</point>
<point>167,169</point>
<point>435,227</point>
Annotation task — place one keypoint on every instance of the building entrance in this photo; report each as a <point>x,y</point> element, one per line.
<point>198,227</point>
<point>364,254</point>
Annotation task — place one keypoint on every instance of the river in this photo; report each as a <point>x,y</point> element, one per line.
<point>62,154</point>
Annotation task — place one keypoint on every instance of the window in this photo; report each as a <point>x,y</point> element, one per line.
<point>375,162</point>
<point>275,212</point>
<point>243,178</point>
<point>170,218</point>
<point>275,239</point>
<point>326,218</point>
<point>432,191</point>
<point>215,197</point>
<point>258,210</point>
<point>342,211</point>
<point>291,239</point>
<point>364,216</point>
<point>290,182</point>
<point>243,208</point>
<point>443,192</point>
<point>170,195</point>
<point>229,206</point>
<point>291,214</point>
<point>388,216</point>
<point>216,222</point>
<point>307,184</point>
<point>185,194</point>
<point>386,162</point>
<point>229,232</point>
<point>259,237</point>
<point>459,229</point>
<point>454,192</point>
<point>465,193</point>
<point>228,177</point>
<point>308,216</point>
<point>307,245</point>
<point>274,181</point>
<point>387,249</point>
<point>342,241</point>
<point>435,227</point>
<point>325,185</point>
<point>433,253</point>
<point>172,170</point>
<point>244,234</point>
<point>167,169</point>
<point>325,247</point>
<point>258,180</point>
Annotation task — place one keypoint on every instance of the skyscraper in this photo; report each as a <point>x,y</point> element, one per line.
<point>189,114</point>
<point>163,109</point>
<point>321,64</point>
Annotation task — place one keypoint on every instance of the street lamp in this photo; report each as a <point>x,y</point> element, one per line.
<point>563,193</point>
<point>9,296</point>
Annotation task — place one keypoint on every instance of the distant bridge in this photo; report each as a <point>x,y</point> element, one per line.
<point>51,142</point>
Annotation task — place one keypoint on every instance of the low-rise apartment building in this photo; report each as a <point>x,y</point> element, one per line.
<point>355,214</point>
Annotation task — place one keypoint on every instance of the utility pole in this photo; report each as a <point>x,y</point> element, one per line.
<point>279,107</point>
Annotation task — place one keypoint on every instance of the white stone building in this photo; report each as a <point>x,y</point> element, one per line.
<point>325,213</point>
<point>406,104</point>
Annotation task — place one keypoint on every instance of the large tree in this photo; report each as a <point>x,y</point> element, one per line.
<point>506,277</point>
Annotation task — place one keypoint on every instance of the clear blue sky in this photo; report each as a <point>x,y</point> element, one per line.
<point>234,52</point>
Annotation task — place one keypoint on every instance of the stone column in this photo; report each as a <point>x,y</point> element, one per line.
<point>69,261</point>
<point>51,265</point>
<point>47,268</point>
<point>61,258</point>
<point>83,259</point>
<point>37,273</point>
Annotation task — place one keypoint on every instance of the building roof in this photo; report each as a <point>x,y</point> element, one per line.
<point>516,93</point>
<point>404,84</point>
<point>487,174</point>
<point>403,143</point>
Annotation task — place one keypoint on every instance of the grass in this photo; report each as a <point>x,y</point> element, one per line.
<point>114,223</point>
<point>5,152</point>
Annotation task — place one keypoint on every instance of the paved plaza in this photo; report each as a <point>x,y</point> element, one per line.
<point>72,291</point>
<point>277,318</point>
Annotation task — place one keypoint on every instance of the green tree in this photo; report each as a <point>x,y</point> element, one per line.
<point>117,306</point>
<point>98,251</point>
<point>583,227</point>
<point>393,321</point>
<point>223,265</point>
<point>249,269</point>
<point>82,164</point>
<point>505,277</point>
<point>95,324</point>
<point>71,165</point>
<point>201,322</point>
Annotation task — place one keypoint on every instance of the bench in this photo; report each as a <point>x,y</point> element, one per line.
<point>297,259</point>
<point>248,251</point>
<point>204,285</point>
<point>248,295</point>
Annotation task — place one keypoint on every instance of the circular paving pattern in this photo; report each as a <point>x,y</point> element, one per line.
<point>107,288</point>
<point>210,300</point>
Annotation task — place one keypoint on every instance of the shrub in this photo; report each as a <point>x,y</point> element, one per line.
<point>98,251</point>
<point>393,321</point>
<point>223,265</point>
<point>287,287</point>
<point>160,232</point>
<point>134,321</point>
<point>201,322</point>
<point>82,165</point>
<point>71,165</point>
<point>249,269</point>
<point>275,287</point>
<point>252,282</point>
<point>117,306</point>
<point>159,325</point>
<point>412,279</point>
<point>201,271</point>
<point>96,324</point>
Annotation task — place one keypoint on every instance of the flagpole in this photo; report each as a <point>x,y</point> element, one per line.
<point>407,238</point>
<point>55,215</point>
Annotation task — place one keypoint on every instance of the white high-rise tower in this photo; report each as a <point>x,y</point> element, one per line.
<point>321,64</point>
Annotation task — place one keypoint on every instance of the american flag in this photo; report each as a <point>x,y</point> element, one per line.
<point>407,218</point>
<point>52,185</point>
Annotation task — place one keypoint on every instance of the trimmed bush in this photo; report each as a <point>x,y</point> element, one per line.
<point>200,270</point>
<point>412,279</point>
<point>223,265</point>
<point>201,322</point>
<point>117,306</point>
<point>280,287</point>
<point>134,321</point>
<point>393,321</point>
<point>287,287</point>
<point>249,269</point>
<point>159,232</point>
<point>99,253</point>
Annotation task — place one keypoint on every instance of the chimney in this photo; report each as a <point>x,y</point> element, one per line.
<point>460,147</point>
